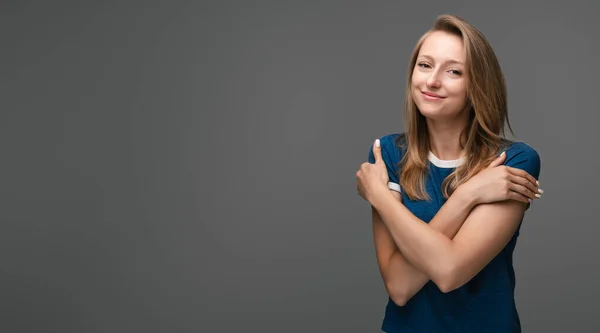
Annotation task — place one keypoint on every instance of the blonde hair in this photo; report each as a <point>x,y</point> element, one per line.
<point>483,136</point>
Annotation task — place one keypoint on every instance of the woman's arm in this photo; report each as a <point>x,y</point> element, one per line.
<point>402,280</point>
<point>450,263</point>
<point>502,194</point>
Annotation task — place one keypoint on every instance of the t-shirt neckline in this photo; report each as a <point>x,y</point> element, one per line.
<point>445,163</point>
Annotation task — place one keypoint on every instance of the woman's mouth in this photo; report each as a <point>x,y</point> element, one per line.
<point>431,96</point>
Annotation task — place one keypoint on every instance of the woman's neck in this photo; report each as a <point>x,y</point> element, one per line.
<point>444,139</point>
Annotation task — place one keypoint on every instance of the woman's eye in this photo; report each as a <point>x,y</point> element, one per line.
<point>455,72</point>
<point>422,65</point>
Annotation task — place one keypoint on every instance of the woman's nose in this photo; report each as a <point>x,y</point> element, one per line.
<point>433,80</point>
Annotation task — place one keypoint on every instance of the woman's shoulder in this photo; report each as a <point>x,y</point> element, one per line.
<point>519,147</point>
<point>394,141</point>
<point>392,149</point>
<point>522,155</point>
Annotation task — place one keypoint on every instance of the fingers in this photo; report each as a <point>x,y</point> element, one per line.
<point>377,152</point>
<point>519,197</point>
<point>524,191</point>
<point>531,189</point>
<point>498,161</point>
<point>359,186</point>
<point>524,174</point>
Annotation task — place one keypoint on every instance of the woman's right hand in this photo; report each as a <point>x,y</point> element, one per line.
<point>499,182</point>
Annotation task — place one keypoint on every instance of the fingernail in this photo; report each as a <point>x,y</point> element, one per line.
<point>503,153</point>
<point>377,143</point>
<point>540,190</point>
<point>538,195</point>
<point>537,182</point>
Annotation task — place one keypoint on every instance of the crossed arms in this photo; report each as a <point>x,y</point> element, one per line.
<point>456,244</point>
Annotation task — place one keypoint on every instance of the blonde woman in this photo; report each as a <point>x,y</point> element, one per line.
<point>449,193</point>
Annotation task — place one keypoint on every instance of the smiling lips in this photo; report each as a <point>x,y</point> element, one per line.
<point>431,96</point>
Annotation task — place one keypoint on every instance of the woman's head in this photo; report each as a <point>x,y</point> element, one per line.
<point>453,75</point>
<point>438,84</point>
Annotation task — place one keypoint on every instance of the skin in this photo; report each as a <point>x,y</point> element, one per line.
<point>440,70</point>
<point>475,223</point>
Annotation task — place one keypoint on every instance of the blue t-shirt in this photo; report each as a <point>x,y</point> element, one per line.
<point>484,304</point>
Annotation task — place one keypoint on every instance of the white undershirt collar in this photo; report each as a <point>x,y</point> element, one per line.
<point>445,163</point>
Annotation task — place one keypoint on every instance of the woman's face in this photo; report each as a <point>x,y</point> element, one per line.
<point>438,79</point>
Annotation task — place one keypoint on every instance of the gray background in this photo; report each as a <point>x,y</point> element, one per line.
<point>190,166</point>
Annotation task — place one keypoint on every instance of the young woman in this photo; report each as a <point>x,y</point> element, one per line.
<point>453,169</point>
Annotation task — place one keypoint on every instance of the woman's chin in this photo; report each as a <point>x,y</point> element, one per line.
<point>438,112</point>
<point>433,113</point>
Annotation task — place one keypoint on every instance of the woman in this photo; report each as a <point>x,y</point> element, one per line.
<point>453,169</point>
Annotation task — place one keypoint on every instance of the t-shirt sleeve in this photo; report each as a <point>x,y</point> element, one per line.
<point>387,153</point>
<point>522,156</point>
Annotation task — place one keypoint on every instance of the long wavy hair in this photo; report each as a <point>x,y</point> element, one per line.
<point>483,137</point>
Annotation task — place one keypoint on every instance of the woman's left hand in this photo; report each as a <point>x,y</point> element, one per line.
<point>371,178</point>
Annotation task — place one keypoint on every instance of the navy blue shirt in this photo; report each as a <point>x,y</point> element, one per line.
<point>484,304</point>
